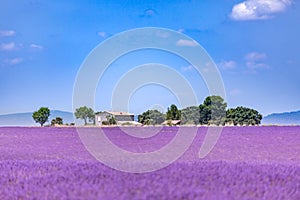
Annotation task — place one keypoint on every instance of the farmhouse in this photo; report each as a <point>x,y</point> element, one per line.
<point>120,117</point>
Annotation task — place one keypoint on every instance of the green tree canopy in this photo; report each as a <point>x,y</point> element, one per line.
<point>173,113</point>
<point>151,117</point>
<point>243,116</point>
<point>41,116</point>
<point>85,113</point>
<point>111,120</point>
<point>190,115</point>
<point>213,110</point>
<point>57,120</point>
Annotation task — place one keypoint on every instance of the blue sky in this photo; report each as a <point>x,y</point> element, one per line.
<point>254,43</point>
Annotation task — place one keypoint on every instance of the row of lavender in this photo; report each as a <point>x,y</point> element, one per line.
<point>202,180</point>
<point>246,163</point>
<point>238,144</point>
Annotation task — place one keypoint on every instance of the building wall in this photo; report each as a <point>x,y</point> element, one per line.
<point>124,117</point>
<point>119,118</point>
<point>101,117</point>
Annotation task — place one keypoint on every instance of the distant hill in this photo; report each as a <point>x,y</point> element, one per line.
<point>286,118</point>
<point>25,119</point>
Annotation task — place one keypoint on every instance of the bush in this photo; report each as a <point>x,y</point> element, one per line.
<point>57,121</point>
<point>127,124</point>
<point>105,123</point>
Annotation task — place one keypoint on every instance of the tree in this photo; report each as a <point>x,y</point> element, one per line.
<point>85,113</point>
<point>144,118</point>
<point>213,111</point>
<point>151,117</point>
<point>190,115</point>
<point>173,113</point>
<point>57,120</point>
<point>204,113</point>
<point>41,116</point>
<point>243,116</point>
<point>111,120</point>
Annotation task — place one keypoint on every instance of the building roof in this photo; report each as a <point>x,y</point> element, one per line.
<point>174,122</point>
<point>119,113</point>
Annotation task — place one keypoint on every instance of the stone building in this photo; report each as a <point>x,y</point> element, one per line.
<point>120,117</point>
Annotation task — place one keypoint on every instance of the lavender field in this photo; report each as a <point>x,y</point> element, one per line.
<point>246,163</point>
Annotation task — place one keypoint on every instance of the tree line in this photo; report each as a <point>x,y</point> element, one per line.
<point>211,112</point>
<point>41,116</point>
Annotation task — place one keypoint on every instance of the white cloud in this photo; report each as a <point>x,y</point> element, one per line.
<point>162,34</point>
<point>209,64</point>
<point>254,65</point>
<point>8,46</point>
<point>188,68</point>
<point>148,13</point>
<point>13,61</point>
<point>189,43</point>
<point>227,64</point>
<point>258,9</point>
<point>36,46</point>
<point>102,34</point>
<point>255,56</point>
<point>206,68</point>
<point>255,60</point>
<point>6,33</point>
<point>181,30</point>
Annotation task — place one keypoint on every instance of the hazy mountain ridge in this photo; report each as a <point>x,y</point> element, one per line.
<point>286,118</point>
<point>25,119</point>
